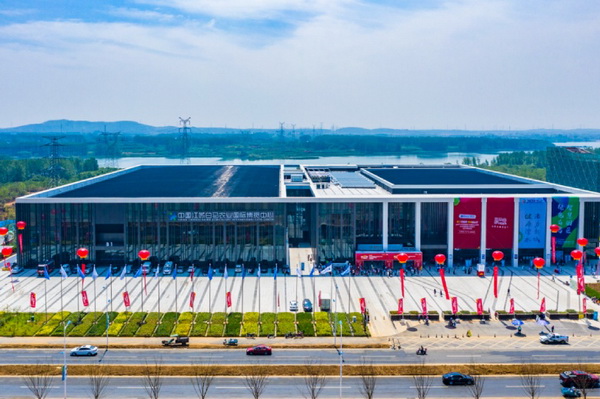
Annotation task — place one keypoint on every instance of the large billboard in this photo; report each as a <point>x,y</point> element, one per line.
<point>565,213</point>
<point>532,223</point>
<point>500,216</point>
<point>467,223</point>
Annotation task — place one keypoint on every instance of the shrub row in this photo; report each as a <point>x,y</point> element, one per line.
<point>200,325</point>
<point>22,324</point>
<point>232,328</point>
<point>88,320</point>
<point>184,324</point>
<point>166,325</point>
<point>147,329</point>
<point>75,318</point>
<point>267,324</point>
<point>216,324</point>
<point>357,326</point>
<point>133,324</point>
<point>323,324</point>
<point>99,328</point>
<point>52,323</point>
<point>305,324</point>
<point>118,323</point>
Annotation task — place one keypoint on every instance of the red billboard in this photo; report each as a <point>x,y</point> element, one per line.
<point>467,223</point>
<point>500,216</point>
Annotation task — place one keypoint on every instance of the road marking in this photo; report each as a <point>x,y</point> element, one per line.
<point>433,386</point>
<point>217,387</point>
<point>463,355</point>
<point>522,386</point>
<point>129,387</point>
<point>548,355</point>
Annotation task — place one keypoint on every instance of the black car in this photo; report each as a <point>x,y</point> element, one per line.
<point>307,305</point>
<point>457,379</point>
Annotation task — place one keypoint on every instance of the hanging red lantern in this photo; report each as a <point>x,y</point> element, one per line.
<point>83,253</point>
<point>497,255</point>
<point>582,241</point>
<point>144,254</point>
<point>440,259</point>
<point>6,251</point>
<point>21,225</point>
<point>402,257</point>
<point>539,262</point>
<point>554,228</point>
<point>3,231</point>
<point>576,254</point>
<point>597,251</point>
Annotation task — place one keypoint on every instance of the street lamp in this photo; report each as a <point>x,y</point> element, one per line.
<point>341,358</point>
<point>64,370</point>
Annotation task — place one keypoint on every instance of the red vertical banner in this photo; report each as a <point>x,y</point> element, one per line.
<point>32,300</point>
<point>479,306</point>
<point>319,298</point>
<point>402,281</point>
<point>499,222</point>
<point>495,281</point>
<point>192,299</point>
<point>401,306</point>
<point>543,306</point>
<point>126,300</point>
<point>444,285</point>
<point>424,306</point>
<point>21,243</point>
<point>511,309</point>
<point>83,268</point>
<point>584,305</point>
<point>553,249</point>
<point>467,223</point>
<point>580,279</point>
<point>84,299</point>
<point>454,305</point>
<point>228,298</point>
<point>363,305</point>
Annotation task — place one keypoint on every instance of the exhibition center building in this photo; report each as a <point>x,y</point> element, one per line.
<point>362,214</point>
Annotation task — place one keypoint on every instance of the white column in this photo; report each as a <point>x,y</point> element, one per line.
<point>385,223</point>
<point>580,225</point>
<point>515,258</point>
<point>418,225</point>
<point>548,235</point>
<point>451,232</point>
<point>483,230</point>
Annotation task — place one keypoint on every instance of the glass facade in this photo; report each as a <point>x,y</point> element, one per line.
<point>336,225</point>
<point>401,224</point>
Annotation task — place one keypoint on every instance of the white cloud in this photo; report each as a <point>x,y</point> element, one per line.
<point>146,15</point>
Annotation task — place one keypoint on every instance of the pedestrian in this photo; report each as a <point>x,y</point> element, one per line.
<point>434,292</point>
<point>552,329</point>
<point>441,293</point>
<point>508,292</point>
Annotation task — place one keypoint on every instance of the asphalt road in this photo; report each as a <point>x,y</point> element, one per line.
<point>285,387</point>
<point>555,354</point>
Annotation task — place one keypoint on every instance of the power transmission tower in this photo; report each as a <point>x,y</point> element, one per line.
<point>54,170</point>
<point>111,147</point>
<point>281,130</point>
<point>184,138</point>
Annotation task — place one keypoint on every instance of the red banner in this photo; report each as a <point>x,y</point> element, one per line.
<point>228,298</point>
<point>500,215</point>
<point>467,223</point>
<point>20,243</point>
<point>580,279</point>
<point>192,299</point>
<point>319,298</point>
<point>32,300</point>
<point>387,257</point>
<point>84,298</point>
<point>543,306</point>
<point>454,305</point>
<point>126,299</point>
<point>363,305</point>
<point>511,309</point>
<point>401,306</point>
<point>584,305</point>
<point>495,281</point>
<point>479,306</point>
<point>444,285</point>
<point>553,241</point>
<point>402,281</point>
<point>424,306</point>
<point>83,268</point>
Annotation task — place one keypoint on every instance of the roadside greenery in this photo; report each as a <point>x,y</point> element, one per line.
<point>305,324</point>
<point>99,328</point>
<point>323,324</point>
<point>133,324</point>
<point>200,324</point>
<point>216,324</point>
<point>147,329</point>
<point>267,324</point>
<point>184,324</point>
<point>286,323</point>
<point>166,325</point>
<point>86,323</point>
<point>118,323</point>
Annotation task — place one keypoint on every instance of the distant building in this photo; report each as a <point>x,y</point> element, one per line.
<point>573,167</point>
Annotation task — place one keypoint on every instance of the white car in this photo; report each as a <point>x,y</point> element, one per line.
<point>554,338</point>
<point>168,268</point>
<point>293,306</point>
<point>85,350</point>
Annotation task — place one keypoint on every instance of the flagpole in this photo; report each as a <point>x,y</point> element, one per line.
<point>142,292</point>
<point>209,295</point>
<point>158,295</point>
<point>176,296</point>
<point>111,291</point>
<point>46,298</point>
<point>297,278</point>
<point>242,290</point>
<point>61,293</point>
<point>349,288</point>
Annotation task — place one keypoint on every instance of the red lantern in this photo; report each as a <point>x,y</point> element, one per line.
<point>21,225</point>
<point>597,251</point>
<point>6,251</point>
<point>582,241</point>
<point>576,254</point>
<point>144,254</point>
<point>402,257</point>
<point>554,228</point>
<point>440,259</point>
<point>497,255</point>
<point>82,253</point>
<point>3,231</point>
<point>539,262</point>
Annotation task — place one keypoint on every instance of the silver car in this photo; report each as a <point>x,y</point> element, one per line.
<point>85,350</point>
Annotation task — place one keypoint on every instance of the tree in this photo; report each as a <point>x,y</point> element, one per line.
<point>256,380</point>
<point>368,380</point>
<point>202,379</point>
<point>476,388</point>
<point>530,380</point>
<point>421,380</point>
<point>314,380</point>
<point>153,378</point>
<point>98,380</point>
<point>38,379</point>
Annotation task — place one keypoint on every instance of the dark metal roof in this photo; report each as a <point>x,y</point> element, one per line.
<point>441,176</point>
<point>185,181</point>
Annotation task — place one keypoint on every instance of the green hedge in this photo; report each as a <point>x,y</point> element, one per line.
<point>346,331</point>
<point>591,292</point>
<point>232,328</point>
<point>147,329</point>
<point>286,323</point>
<point>52,323</point>
<point>133,324</point>
<point>358,328</point>
<point>74,317</point>
<point>165,328</point>
<point>217,324</point>
<point>99,328</point>
<point>21,324</point>
<point>267,326</point>
<point>86,323</point>
<point>200,324</point>
<point>250,325</point>
<point>251,317</point>
<point>323,324</point>
<point>184,324</point>
<point>305,324</point>
<point>117,325</point>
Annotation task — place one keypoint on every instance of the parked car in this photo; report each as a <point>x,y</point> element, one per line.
<point>179,269</point>
<point>307,305</point>
<point>457,379</point>
<point>16,268</point>
<point>579,379</point>
<point>238,268</point>
<point>49,266</point>
<point>146,267</point>
<point>554,338</point>
<point>259,350</point>
<point>168,268</point>
<point>293,306</point>
<point>85,350</point>
<point>191,268</point>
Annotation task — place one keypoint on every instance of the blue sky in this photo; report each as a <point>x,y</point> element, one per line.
<point>493,64</point>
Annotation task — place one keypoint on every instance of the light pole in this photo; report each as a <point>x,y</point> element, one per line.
<point>108,301</point>
<point>341,359</point>
<point>64,370</point>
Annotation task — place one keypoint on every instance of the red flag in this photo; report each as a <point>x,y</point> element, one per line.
<point>126,299</point>
<point>21,242</point>
<point>192,274</point>
<point>424,305</point>
<point>84,298</point>
<point>454,305</point>
<point>401,306</point>
<point>584,306</point>
<point>444,285</point>
<point>543,306</point>
<point>511,309</point>
<point>363,305</point>
<point>32,300</point>
<point>580,279</point>
<point>228,298</point>
<point>553,249</point>
<point>192,299</point>
<point>479,306</point>
<point>319,298</point>
<point>402,281</point>
<point>495,281</point>
<point>83,268</point>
